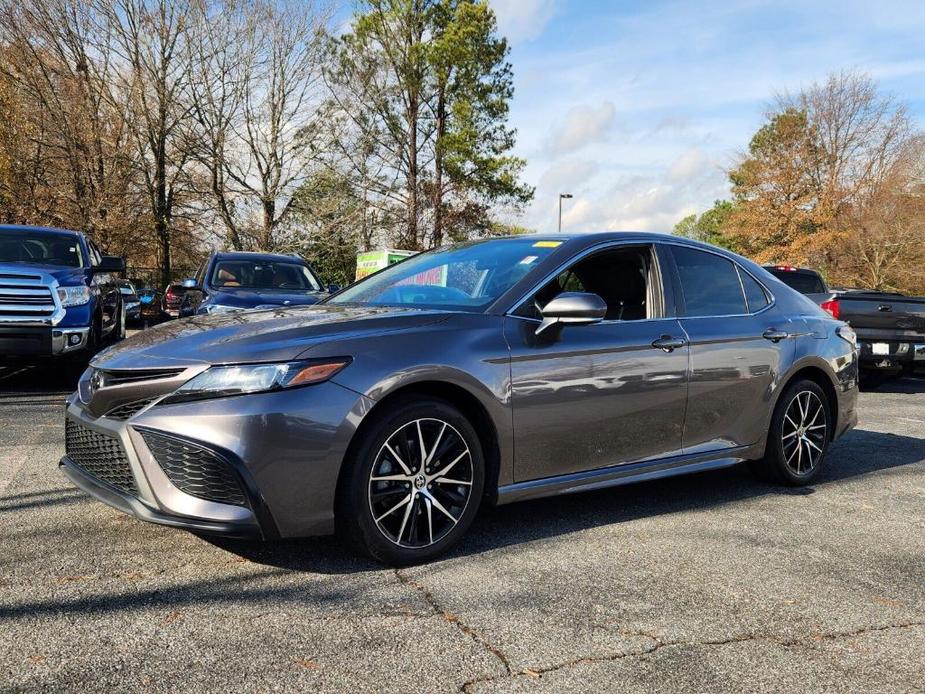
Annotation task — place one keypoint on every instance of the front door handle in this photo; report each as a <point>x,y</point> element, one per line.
<point>884,307</point>
<point>669,343</point>
<point>775,335</point>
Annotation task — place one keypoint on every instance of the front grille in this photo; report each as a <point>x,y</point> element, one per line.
<point>195,470</point>
<point>25,295</point>
<point>115,377</point>
<point>99,455</point>
<point>128,409</point>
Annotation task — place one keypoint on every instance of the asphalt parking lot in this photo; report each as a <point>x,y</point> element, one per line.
<point>715,582</point>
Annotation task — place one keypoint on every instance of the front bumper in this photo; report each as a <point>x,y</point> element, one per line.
<point>285,449</point>
<point>132,506</point>
<point>41,341</point>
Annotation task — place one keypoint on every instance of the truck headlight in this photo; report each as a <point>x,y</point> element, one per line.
<point>73,296</point>
<point>221,381</point>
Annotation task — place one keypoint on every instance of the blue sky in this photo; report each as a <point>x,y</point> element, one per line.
<point>636,107</point>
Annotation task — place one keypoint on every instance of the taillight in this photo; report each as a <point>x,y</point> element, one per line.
<point>169,294</point>
<point>831,307</point>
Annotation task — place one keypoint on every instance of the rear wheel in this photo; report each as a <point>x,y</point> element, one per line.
<point>415,483</point>
<point>799,435</point>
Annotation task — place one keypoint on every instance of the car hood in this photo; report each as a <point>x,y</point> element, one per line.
<point>66,276</point>
<point>245,298</point>
<point>256,336</point>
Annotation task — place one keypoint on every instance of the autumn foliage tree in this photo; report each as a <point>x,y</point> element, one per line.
<point>834,180</point>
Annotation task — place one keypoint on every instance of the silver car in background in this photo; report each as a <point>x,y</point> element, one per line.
<point>482,373</point>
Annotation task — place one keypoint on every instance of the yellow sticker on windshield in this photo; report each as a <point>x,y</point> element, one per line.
<point>547,244</point>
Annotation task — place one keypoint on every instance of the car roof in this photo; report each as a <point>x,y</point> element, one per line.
<point>41,230</point>
<point>250,255</point>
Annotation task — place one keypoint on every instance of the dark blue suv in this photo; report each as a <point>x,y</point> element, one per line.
<point>235,281</point>
<point>58,294</point>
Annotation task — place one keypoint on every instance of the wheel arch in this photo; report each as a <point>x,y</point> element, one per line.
<point>452,393</point>
<point>818,375</point>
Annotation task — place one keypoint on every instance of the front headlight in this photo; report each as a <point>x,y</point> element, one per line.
<point>219,308</point>
<point>221,381</point>
<point>73,296</point>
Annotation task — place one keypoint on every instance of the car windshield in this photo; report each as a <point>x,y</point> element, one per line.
<point>263,274</point>
<point>465,277</point>
<point>61,250</point>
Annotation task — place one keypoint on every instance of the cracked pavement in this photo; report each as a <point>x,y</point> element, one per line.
<point>715,582</point>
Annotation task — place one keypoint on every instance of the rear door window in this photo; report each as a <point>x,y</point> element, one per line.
<point>709,283</point>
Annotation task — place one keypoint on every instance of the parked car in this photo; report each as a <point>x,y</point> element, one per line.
<point>486,372</point>
<point>131,302</point>
<point>890,326</point>
<point>59,294</point>
<point>173,300</point>
<point>235,281</point>
<point>150,305</point>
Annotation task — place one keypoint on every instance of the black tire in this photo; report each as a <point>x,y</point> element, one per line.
<point>793,440</point>
<point>359,494</point>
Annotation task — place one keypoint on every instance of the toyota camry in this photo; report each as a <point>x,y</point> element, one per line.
<point>481,373</point>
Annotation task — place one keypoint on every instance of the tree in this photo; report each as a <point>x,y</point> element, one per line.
<point>473,86</point>
<point>823,157</point>
<point>68,147</point>
<point>709,226</point>
<point>422,87</point>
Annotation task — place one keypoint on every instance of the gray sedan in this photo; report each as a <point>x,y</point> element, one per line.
<point>481,373</point>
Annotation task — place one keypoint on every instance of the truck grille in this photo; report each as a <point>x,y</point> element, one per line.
<point>99,455</point>
<point>195,470</point>
<point>24,295</point>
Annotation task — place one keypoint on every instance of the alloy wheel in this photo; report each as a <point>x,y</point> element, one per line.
<point>804,432</point>
<point>420,483</point>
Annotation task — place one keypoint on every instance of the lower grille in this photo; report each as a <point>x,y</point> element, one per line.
<point>99,455</point>
<point>195,470</point>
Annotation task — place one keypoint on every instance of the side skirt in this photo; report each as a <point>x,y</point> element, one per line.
<point>625,474</point>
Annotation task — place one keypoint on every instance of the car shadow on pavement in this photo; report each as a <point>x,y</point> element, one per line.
<point>909,384</point>
<point>51,378</point>
<point>859,453</point>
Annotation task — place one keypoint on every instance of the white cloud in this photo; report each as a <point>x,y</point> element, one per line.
<point>523,20</point>
<point>583,125</point>
<point>689,164</point>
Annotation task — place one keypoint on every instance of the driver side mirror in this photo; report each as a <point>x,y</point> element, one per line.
<point>110,263</point>
<point>573,308</point>
<point>189,284</point>
<point>332,288</point>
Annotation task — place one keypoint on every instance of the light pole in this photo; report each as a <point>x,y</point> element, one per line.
<point>562,196</point>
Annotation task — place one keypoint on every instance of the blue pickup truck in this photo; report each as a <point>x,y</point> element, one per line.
<point>59,296</point>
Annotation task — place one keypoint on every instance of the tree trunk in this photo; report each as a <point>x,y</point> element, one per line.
<point>437,239</point>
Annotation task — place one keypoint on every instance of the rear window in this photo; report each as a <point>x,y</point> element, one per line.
<point>710,284</point>
<point>803,282</point>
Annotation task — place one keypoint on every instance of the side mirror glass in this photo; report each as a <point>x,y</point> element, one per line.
<point>333,288</point>
<point>189,284</point>
<point>573,308</point>
<point>110,263</point>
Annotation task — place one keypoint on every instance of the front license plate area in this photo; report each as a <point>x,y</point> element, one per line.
<point>880,348</point>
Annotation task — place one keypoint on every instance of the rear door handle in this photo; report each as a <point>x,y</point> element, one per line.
<point>884,307</point>
<point>775,335</point>
<point>669,343</point>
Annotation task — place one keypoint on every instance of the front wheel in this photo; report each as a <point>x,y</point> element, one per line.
<point>414,485</point>
<point>799,435</point>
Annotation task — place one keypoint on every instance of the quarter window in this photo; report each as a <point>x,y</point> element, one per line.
<point>709,282</point>
<point>754,294</point>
